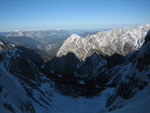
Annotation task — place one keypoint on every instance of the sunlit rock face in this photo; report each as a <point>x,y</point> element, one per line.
<point>120,41</point>
<point>77,45</point>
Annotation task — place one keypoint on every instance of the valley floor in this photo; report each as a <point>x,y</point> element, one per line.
<point>64,104</point>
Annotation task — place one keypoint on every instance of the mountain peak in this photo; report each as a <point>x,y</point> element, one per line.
<point>77,45</point>
<point>74,36</point>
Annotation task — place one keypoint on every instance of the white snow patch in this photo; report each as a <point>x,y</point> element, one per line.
<point>81,82</point>
<point>59,75</point>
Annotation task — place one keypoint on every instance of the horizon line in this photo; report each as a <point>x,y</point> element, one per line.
<point>110,26</point>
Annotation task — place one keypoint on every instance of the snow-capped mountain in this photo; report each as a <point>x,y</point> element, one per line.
<point>83,63</point>
<point>77,45</point>
<point>121,41</point>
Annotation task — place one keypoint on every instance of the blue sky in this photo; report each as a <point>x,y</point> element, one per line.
<point>72,14</point>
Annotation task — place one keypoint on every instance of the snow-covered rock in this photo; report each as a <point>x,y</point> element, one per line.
<point>18,94</point>
<point>77,45</point>
<point>18,64</point>
<point>121,41</point>
<point>134,77</point>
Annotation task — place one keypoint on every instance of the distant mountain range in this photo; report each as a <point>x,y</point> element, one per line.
<point>45,43</point>
<point>38,35</point>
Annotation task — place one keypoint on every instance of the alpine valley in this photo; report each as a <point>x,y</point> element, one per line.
<point>59,71</point>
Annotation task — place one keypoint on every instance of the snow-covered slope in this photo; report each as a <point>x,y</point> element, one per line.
<point>6,46</point>
<point>14,98</point>
<point>135,79</point>
<point>19,95</point>
<point>21,88</point>
<point>140,103</point>
<point>18,64</point>
<point>11,94</point>
<point>24,94</point>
